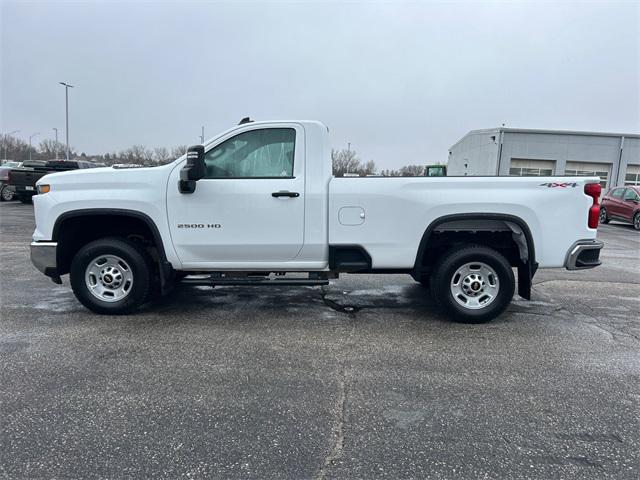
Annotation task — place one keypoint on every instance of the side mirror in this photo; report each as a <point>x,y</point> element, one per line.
<point>193,171</point>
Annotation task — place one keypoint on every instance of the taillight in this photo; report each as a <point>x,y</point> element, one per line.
<point>593,190</point>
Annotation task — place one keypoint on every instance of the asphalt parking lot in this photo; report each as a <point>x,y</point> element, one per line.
<point>362,379</point>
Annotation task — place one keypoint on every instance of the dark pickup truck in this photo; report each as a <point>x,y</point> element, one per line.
<point>23,179</point>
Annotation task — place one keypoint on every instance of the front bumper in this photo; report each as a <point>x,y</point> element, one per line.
<point>584,254</point>
<point>43,256</point>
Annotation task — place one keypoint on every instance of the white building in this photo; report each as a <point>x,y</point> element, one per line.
<point>614,157</point>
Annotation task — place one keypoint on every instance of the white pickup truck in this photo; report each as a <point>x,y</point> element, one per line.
<point>258,205</point>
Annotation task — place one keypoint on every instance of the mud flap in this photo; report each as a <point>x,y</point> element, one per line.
<point>526,271</point>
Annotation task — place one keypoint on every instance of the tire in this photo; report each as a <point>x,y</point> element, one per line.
<point>604,218</point>
<point>24,198</point>
<point>100,273</point>
<point>474,284</point>
<point>6,193</point>
<point>636,221</point>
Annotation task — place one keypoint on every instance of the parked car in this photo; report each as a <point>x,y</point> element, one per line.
<point>621,204</point>
<point>6,191</point>
<point>259,202</point>
<point>10,163</point>
<point>23,179</point>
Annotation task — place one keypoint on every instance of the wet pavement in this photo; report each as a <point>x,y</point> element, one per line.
<point>364,378</point>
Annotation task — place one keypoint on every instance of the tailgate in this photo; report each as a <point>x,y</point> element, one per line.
<point>25,177</point>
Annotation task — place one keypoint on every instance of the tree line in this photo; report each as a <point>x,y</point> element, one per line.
<point>13,148</point>
<point>345,162</point>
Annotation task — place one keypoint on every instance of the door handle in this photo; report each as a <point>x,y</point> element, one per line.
<point>285,193</point>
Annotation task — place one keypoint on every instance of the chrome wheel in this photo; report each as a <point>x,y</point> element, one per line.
<point>475,285</point>
<point>109,278</point>
<point>636,221</point>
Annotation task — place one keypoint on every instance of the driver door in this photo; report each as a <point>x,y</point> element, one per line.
<point>248,210</point>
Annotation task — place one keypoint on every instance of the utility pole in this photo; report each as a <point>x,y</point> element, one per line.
<point>30,137</point>
<point>56,146</point>
<point>66,102</point>
<point>5,141</point>
<point>202,136</point>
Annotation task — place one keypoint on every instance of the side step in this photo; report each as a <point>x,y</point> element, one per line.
<point>212,280</point>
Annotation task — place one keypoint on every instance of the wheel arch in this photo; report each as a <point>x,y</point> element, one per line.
<point>68,223</point>
<point>465,222</point>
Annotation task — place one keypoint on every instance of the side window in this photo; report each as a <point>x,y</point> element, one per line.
<point>617,193</point>
<point>265,153</point>
<point>630,194</point>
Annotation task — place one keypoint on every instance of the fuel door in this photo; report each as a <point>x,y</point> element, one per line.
<point>351,216</point>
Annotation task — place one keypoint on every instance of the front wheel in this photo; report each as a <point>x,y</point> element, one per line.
<point>474,284</point>
<point>604,218</point>
<point>111,276</point>
<point>24,198</point>
<point>6,193</point>
<point>636,221</point>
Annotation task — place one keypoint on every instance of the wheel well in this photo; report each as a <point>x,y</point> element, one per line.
<point>508,235</point>
<point>75,231</point>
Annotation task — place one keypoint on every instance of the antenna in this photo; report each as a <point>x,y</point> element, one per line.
<point>245,120</point>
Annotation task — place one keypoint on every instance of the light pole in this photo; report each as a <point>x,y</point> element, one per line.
<point>66,103</point>
<point>56,146</point>
<point>202,136</point>
<point>30,137</point>
<point>5,141</point>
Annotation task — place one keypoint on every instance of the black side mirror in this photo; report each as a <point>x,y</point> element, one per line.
<point>193,171</point>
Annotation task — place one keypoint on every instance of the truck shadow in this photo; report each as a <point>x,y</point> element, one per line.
<point>243,300</point>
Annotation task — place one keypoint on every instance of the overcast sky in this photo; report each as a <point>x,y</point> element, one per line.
<point>401,82</point>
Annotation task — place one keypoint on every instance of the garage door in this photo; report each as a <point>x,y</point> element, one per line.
<point>633,175</point>
<point>525,167</point>
<point>581,169</point>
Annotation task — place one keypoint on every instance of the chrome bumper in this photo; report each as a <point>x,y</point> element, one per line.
<point>584,254</point>
<point>43,256</point>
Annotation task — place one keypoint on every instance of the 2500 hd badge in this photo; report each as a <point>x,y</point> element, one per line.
<point>199,225</point>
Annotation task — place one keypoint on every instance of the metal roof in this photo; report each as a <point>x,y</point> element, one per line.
<point>546,132</point>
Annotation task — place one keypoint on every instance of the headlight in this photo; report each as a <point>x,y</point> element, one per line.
<point>43,188</point>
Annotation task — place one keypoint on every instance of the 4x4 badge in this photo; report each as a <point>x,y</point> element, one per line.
<point>558,185</point>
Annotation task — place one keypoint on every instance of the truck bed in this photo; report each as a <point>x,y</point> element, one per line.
<point>388,215</point>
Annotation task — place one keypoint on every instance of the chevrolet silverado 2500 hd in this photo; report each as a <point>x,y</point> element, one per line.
<point>259,202</point>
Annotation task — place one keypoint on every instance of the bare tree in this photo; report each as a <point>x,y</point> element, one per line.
<point>368,168</point>
<point>412,171</point>
<point>178,151</point>
<point>49,149</point>
<point>345,161</point>
<point>136,154</point>
<point>161,155</point>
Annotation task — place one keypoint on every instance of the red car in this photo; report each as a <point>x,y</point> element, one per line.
<point>621,204</point>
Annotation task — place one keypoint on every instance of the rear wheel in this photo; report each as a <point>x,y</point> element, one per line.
<point>111,276</point>
<point>603,215</point>
<point>6,193</point>
<point>474,284</point>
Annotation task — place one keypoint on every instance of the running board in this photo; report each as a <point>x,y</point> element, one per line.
<point>257,282</point>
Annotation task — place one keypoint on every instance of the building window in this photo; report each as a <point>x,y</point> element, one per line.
<point>530,172</point>
<point>589,173</point>
<point>632,179</point>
